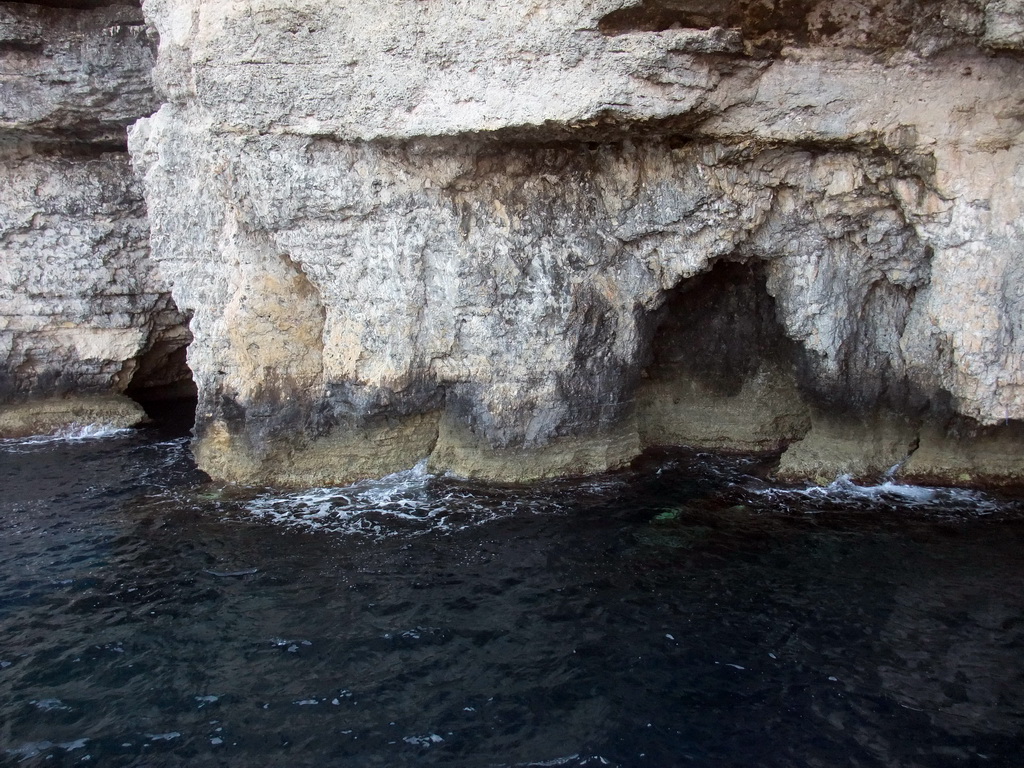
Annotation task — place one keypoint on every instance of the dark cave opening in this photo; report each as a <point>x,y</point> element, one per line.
<point>162,382</point>
<point>719,328</point>
<point>660,15</point>
<point>721,373</point>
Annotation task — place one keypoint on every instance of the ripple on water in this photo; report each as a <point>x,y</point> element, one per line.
<point>570,761</point>
<point>582,626</point>
<point>36,748</point>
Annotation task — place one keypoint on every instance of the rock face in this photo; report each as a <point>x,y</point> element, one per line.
<point>528,239</point>
<point>82,308</point>
<point>74,70</point>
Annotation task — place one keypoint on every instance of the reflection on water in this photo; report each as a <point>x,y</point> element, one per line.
<point>683,613</point>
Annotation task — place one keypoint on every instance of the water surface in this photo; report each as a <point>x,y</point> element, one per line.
<point>684,613</point>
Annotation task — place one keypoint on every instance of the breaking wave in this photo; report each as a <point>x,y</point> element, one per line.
<point>749,481</point>
<point>415,501</point>
<point>73,433</point>
<point>411,501</point>
<point>844,493</point>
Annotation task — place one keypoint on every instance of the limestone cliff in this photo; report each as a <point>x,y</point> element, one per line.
<point>532,238</point>
<point>82,308</point>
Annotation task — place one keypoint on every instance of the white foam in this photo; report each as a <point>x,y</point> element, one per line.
<point>843,491</point>
<point>423,741</point>
<point>410,502</point>
<point>567,760</point>
<point>73,433</point>
<point>51,705</point>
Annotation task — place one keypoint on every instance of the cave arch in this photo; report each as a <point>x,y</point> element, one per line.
<point>161,380</point>
<point>721,373</point>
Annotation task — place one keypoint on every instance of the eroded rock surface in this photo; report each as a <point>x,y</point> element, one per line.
<point>525,239</point>
<point>456,228</point>
<point>74,72</point>
<point>83,310</point>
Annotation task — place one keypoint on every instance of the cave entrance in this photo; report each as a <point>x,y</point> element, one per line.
<point>719,328</point>
<point>721,373</point>
<point>162,382</point>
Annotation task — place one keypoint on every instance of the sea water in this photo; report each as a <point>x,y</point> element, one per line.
<point>686,612</point>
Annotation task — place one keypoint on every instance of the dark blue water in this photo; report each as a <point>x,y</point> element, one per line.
<point>684,613</point>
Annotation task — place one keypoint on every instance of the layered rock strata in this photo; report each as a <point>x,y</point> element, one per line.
<point>82,308</point>
<point>529,239</point>
<point>523,239</point>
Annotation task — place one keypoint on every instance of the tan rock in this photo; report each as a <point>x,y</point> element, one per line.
<point>82,307</point>
<point>475,216</point>
<point>866,448</point>
<point>982,455</point>
<point>336,459</point>
<point>510,277</point>
<point>467,455</point>
<point>45,417</point>
<point>766,415</point>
